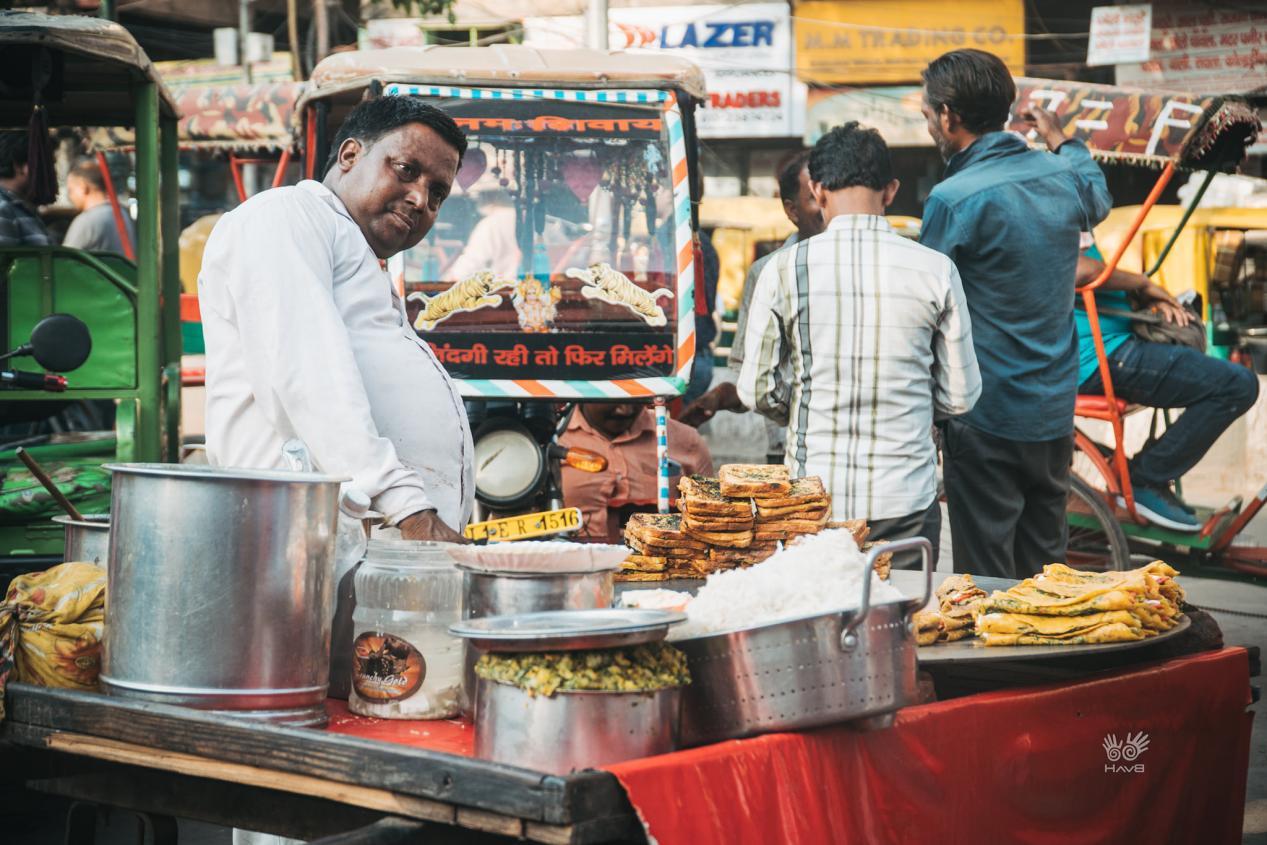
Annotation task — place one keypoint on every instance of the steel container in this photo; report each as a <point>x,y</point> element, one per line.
<point>804,673</point>
<point>220,587</point>
<point>510,593</point>
<point>86,539</point>
<point>573,730</point>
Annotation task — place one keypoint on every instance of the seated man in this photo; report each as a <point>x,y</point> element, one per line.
<point>1160,375</point>
<point>94,228</point>
<point>623,433</point>
<point>856,338</point>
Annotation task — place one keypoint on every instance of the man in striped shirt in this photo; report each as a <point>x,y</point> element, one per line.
<point>856,338</point>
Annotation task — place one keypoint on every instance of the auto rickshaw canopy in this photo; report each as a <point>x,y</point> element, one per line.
<point>91,66</point>
<point>343,76</point>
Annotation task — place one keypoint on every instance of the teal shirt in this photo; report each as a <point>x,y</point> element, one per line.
<point>1115,330</point>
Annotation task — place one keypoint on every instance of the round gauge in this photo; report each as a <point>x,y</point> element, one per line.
<point>508,465</point>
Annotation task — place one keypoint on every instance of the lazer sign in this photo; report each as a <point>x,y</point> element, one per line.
<point>719,34</point>
<point>745,52</point>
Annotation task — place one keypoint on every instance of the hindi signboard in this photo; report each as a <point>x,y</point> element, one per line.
<point>1119,34</point>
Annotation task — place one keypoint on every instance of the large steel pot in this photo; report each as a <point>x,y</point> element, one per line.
<point>511,593</point>
<point>856,666</point>
<point>86,539</point>
<point>220,587</point>
<point>573,729</point>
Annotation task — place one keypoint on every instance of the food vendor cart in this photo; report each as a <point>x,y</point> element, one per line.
<point>1022,752</point>
<point>96,75</point>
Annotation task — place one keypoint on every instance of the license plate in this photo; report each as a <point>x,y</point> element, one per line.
<point>527,525</point>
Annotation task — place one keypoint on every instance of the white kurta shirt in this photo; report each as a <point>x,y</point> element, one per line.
<point>306,338</point>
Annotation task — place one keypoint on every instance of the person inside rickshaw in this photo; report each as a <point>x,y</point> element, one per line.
<point>19,224</point>
<point>492,244</point>
<point>94,227</point>
<point>1213,393</point>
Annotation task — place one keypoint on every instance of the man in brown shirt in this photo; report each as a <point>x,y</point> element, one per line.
<point>623,433</point>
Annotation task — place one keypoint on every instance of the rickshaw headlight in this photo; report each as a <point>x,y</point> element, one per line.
<point>508,463</point>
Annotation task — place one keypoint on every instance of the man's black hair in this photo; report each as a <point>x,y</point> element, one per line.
<point>973,84</point>
<point>851,156</point>
<point>90,171</point>
<point>374,118</point>
<point>13,150</point>
<point>790,175</point>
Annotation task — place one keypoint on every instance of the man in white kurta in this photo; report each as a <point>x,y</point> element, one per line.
<point>306,337</point>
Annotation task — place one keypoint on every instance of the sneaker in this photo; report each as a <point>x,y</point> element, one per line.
<point>1160,507</point>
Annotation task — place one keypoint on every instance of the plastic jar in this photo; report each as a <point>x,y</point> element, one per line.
<point>405,663</point>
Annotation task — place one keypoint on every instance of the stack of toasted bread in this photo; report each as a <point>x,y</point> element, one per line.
<point>661,550</point>
<point>723,523</point>
<point>791,508</point>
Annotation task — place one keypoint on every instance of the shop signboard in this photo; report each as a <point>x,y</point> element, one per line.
<point>745,52</point>
<point>891,41</point>
<point>1203,50</point>
<point>892,109</point>
<point>1119,34</point>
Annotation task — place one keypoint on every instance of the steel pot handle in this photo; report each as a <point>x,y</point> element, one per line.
<point>849,640</point>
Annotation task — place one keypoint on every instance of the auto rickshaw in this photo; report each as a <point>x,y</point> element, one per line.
<point>87,72</point>
<point>563,266</point>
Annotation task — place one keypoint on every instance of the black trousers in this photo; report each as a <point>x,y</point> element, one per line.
<point>1006,501</point>
<point>925,523</point>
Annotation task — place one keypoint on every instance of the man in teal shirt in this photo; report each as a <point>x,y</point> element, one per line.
<point>1213,393</point>
<point>1010,218</point>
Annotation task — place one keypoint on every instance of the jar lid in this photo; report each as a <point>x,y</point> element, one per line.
<point>413,553</point>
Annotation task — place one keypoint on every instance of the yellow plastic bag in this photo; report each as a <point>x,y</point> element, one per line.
<point>51,624</point>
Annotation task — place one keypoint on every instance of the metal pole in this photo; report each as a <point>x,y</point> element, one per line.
<point>169,211</point>
<point>107,10</point>
<point>292,36</point>
<point>596,25</point>
<point>244,30</point>
<point>149,327</point>
<point>322,23</point>
<point>662,454</point>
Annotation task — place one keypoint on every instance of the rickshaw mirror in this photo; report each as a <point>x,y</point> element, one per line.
<point>60,343</point>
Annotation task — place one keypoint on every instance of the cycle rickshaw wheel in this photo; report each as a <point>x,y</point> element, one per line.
<point>1096,541</point>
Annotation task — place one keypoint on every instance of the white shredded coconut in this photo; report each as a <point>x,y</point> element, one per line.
<point>821,574</point>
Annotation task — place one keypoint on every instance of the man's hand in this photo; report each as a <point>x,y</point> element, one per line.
<point>427,525</point>
<point>1158,299</point>
<point>723,397</point>
<point>1047,125</point>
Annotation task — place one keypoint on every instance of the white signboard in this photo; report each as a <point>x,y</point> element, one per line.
<point>1120,34</point>
<point>1201,50</point>
<point>745,52</point>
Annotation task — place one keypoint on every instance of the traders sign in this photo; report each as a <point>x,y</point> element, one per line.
<point>1203,50</point>
<point>745,52</point>
<point>891,41</point>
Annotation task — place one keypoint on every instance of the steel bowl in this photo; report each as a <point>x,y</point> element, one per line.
<point>508,593</point>
<point>573,730</point>
<point>86,539</point>
<point>804,673</point>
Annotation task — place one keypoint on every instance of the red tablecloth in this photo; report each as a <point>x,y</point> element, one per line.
<point>1019,766</point>
<point>1016,766</point>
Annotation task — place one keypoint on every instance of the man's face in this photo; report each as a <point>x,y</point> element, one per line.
<point>393,188</point>
<point>936,129</point>
<point>803,209</point>
<point>612,420</point>
<point>77,190</point>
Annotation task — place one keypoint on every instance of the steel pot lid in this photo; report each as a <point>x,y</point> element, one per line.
<point>202,472</point>
<point>567,630</point>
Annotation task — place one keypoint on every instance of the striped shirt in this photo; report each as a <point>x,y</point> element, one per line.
<point>855,338</point>
<point>19,225</point>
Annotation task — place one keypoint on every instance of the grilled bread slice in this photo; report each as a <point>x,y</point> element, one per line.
<point>739,480</point>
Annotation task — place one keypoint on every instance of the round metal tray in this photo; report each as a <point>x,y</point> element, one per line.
<point>971,649</point>
<point>567,630</point>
